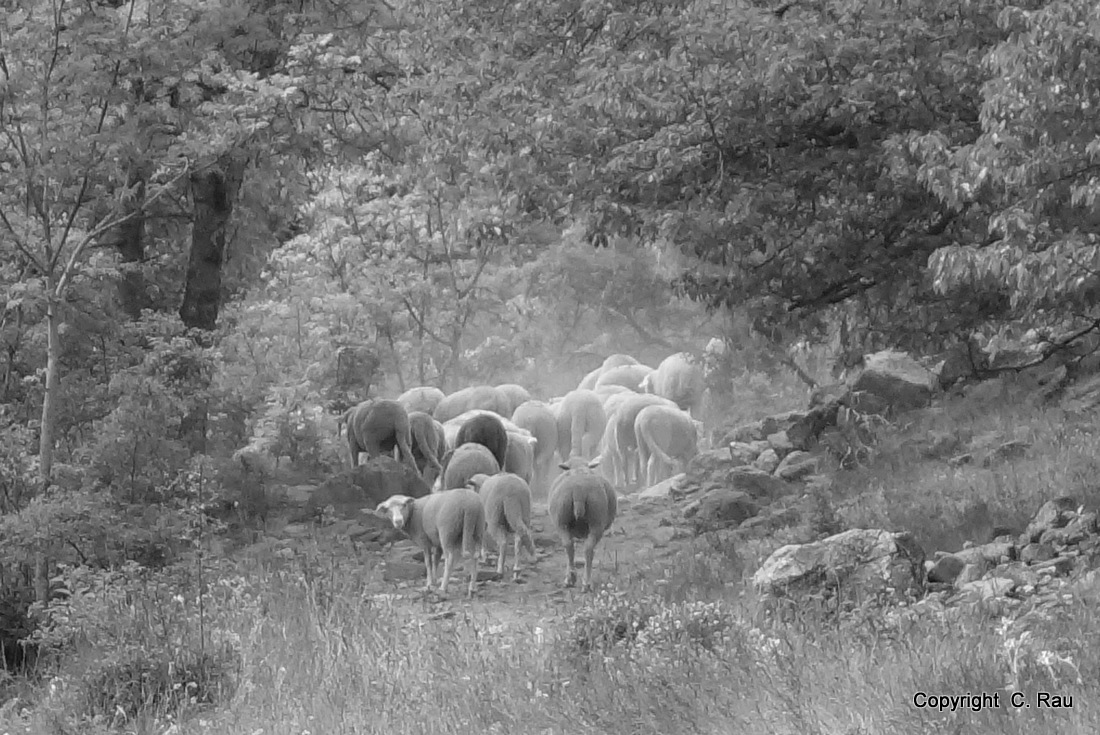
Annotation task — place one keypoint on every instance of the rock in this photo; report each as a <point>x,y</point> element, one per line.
<point>1061,565</point>
<point>663,489</point>
<point>804,432</point>
<point>1056,513</point>
<point>858,564</point>
<point>743,433</point>
<point>1075,531</point>
<point>834,394</point>
<point>743,453</point>
<point>963,360</point>
<point>760,445</point>
<point>770,520</point>
<point>1018,572</point>
<point>992,553</point>
<point>895,378</point>
<point>767,461</point>
<point>365,486</point>
<point>714,469</point>
<point>985,589</point>
<point>781,443</point>
<point>796,465</point>
<point>721,508</point>
<point>804,425</point>
<point>1037,552</point>
<point>972,572</point>
<point>946,569</point>
<point>756,483</point>
<point>296,529</point>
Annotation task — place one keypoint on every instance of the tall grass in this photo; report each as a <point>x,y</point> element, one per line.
<point>314,658</point>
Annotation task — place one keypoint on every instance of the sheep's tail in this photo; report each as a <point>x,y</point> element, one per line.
<point>580,506</point>
<point>513,514</point>
<point>655,448</point>
<point>473,530</point>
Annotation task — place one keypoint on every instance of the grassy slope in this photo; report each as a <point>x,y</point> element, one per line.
<point>319,653</point>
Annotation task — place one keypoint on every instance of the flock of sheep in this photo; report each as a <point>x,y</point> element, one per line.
<point>482,449</point>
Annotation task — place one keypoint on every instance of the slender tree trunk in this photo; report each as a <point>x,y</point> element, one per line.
<point>53,383</point>
<point>214,192</point>
<point>46,430</point>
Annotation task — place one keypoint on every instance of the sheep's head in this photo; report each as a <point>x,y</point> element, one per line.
<point>475,482</point>
<point>646,386</point>
<point>397,508</point>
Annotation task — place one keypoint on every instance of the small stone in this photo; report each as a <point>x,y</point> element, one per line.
<point>768,461</point>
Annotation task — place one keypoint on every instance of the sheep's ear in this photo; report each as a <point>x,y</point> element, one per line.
<point>594,463</point>
<point>564,465</point>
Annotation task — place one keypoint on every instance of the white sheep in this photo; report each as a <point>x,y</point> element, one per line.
<point>583,505</point>
<point>452,522</point>
<point>507,501</point>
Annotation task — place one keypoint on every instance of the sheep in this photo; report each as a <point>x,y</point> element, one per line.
<point>451,427</point>
<point>538,418</point>
<point>678,378</point>
<point>376,426</point>
<point>581,422</point>
<point>451,523</point>
<point>428,445</point>
<point>664,436</point>
<point>487,430</point>
<point>516,395</point>
<point>507,501</point>
<point>465,462</point>
<point>476,396</point>
<point>628,376</point>
<point>519,458</point>
<point>619,441</point>
<point>422,398</point>
<point>582,506</point>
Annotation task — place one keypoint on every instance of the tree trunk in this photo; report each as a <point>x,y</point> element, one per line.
<point>53,384</point>
<point>46,430</point>
<point>131,248</point>
<point>214,192</point>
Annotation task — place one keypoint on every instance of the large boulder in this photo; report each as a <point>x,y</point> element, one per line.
<point>892,380</point>
<point>855,566</point>
<point>365,486</point>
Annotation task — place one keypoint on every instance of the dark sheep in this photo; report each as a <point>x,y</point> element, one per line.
<point>487,430</point>
<point>377,426</point>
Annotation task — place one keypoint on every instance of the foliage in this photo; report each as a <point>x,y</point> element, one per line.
<point>134,639</point>
<point>1031,172</point>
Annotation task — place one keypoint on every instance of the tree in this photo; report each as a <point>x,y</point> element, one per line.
<point>1033,174</point>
